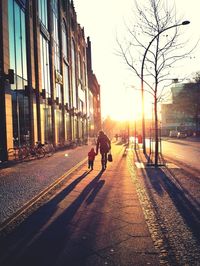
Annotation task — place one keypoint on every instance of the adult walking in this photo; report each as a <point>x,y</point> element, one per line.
<point>103,143</point>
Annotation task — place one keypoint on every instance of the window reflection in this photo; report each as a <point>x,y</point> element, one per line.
<point>65,67</point>
<point>45,70</point>
<point>42,7</point>
<point>73,74</point>
<point>18,62</point>
<point>57,61</point>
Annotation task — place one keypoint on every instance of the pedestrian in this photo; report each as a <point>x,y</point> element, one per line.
<point>91,157</point>
<point>103,143</point>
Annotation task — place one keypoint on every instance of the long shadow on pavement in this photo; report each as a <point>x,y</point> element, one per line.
<point>161,182</point>
<point>42,246</point>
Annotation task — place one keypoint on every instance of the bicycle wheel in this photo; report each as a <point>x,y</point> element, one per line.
<point>12,154</point>
<point>22,153</point>
<point>40,152</point>
<point>51,150</point>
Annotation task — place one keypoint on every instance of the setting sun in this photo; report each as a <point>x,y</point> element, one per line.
<point>126,106</point>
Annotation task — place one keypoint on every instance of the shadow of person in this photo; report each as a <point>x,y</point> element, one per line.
<point>35,222</point>
<point>40,245</point>
<point>95,191</point>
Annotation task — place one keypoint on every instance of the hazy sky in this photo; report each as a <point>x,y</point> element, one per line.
<point>102,21</point>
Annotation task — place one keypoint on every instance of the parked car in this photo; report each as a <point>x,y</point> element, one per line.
<point>181,135</point>
<point>173,133</point>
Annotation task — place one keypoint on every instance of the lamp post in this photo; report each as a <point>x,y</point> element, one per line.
<point>186,22</point>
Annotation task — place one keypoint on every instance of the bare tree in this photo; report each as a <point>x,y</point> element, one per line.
<point>152,48</point>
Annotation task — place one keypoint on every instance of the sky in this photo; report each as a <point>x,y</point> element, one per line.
<point>103,21</point>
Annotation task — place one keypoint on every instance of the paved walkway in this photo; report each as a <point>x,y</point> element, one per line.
<point>21,182</point>
<point>96,219</point>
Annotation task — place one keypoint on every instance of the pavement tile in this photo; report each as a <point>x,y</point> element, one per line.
<point>134,251</point>
<point>140,229</point>
<point>98,242</point>
<point>134,217</point>
<point>101,224</point>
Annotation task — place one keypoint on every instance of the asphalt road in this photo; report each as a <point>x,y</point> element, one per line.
<point>183,150</point>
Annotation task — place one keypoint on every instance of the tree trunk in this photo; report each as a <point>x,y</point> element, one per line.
<point>156,131</point>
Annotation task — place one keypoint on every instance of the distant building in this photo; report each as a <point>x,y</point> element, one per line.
<point>44,93</point>
<point>180,115</point>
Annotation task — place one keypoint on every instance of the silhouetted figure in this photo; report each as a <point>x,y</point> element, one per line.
<point>103,143</point>
<point>91,157</point>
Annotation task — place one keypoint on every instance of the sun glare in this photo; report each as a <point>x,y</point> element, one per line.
<point>127,107</point>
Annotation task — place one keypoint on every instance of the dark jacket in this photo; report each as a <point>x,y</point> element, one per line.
<point>103,143</point>
<point>91,155</point>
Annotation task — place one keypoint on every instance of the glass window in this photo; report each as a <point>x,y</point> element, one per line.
<point>42,8</point>
<point>84,75</point>
<point>57,61</point>
<point>23,46</point>
<point>18,62</point>
<point>65,41</point>
<point>11,35</point>
<point>18,53</point>
<point>44,56</point>
<point>66,83</point>
<point>48,124</point>
<point>79,67</point>
<point>74,74</point>
<point>17,39</point>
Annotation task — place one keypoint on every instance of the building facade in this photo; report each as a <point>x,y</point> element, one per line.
<point>183,114</point>
<point>44,93</point>
<point>95,123</point>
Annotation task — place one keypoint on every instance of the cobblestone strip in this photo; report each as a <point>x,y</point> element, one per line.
<point>152,218</point>
<point>38,197</point>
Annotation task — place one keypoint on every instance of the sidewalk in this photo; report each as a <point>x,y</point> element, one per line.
<point>96,219</point>
<point>21,182</point>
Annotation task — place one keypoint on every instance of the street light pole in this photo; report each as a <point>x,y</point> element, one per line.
<point>186,22</point>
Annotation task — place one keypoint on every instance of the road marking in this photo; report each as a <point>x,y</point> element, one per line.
<point>168,165</point>
<point>139,165</point>
<point>179,156</point>
<point>172,165</point>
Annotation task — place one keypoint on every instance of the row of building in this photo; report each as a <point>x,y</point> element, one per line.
<point>48,91</point>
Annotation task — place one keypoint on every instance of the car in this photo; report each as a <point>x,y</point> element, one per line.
<point>181,135</point>
<point>173,133</point>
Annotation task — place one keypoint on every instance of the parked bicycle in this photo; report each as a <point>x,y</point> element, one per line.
<point>48,148</point>
<point>26,152</point>
<point>36,151</point>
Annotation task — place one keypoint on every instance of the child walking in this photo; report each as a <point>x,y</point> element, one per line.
<point>91,157</point>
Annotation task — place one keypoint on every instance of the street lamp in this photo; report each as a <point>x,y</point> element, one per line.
<point>186,22</point>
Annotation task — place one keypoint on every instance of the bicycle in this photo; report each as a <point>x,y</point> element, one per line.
<point>37,151</point>
<point>17,153</point>
<point>28,152</point>
<point>48,148</point>
<point>12,154</point>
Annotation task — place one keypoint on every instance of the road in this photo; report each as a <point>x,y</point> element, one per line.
<point>185,151</point>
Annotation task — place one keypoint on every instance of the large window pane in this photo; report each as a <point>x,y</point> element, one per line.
<point>44,56</point>
<point>23,45</point>
<point>18,54</point>
<point>74,75</point>
<point>11,34</point>
<point>66,83</point>
<point>18,62</point>
<point>42,6</point>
